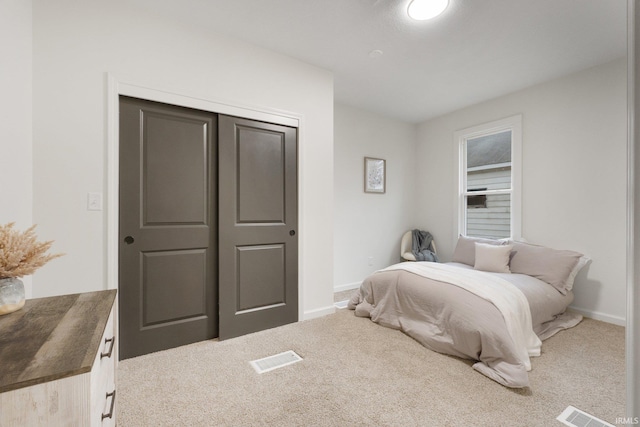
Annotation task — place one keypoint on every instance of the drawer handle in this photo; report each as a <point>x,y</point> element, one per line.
<point>113,402</point>
<point>111,340</point>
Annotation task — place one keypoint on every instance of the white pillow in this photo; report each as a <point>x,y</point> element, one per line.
<point>465,251</point>
<point>492,258</point>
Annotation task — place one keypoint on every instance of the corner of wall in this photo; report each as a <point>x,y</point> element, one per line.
<point>16,110</point>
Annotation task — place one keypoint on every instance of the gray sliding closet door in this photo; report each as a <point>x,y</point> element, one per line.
<point>168,227</point>
<point>258,223</point>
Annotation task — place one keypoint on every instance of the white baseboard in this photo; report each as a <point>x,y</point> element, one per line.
<point>323,311</point>
<point>616,320</point>
<point>346,287</point>
<point>319,312</point>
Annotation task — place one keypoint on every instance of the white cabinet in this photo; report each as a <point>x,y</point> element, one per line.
<point>49,389</point>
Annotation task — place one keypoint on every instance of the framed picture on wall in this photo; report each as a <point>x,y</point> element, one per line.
<point>375,175</point>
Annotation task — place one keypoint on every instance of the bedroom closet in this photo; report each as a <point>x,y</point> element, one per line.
<point>207,226</point>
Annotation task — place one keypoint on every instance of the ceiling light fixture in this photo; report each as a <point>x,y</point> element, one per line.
<point>422,10</point>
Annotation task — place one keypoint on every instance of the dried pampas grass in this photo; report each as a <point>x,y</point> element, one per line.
<point>20,253</point>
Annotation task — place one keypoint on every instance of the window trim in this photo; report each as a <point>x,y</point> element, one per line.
<point>513,123</point>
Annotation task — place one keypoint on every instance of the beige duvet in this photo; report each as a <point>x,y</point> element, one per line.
<point>451,320</point>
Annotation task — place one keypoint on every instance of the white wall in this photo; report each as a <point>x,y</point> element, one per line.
<point>76,43</point>
<point>574,175</point>
<point>15,111</point>
<point>370,225</point>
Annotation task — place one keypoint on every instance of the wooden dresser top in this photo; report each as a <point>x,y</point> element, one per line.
<point>52,338</point>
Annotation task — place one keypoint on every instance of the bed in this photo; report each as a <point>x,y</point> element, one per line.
<point>494,303</point>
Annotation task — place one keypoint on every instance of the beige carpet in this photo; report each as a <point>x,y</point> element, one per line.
<point>357,373</point>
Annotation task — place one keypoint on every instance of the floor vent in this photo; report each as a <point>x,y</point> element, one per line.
<point>274,362</point>
<point>576,418</point>
<point>341,304</point>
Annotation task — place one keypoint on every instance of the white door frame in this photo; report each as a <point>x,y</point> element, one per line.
<point>117,87</point>
<point>632,331</point>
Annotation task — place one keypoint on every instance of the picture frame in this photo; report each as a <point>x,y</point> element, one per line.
<point>375,175</point>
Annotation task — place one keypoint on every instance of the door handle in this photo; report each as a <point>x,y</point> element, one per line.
<point>129,240</point>
<point>292,232</point>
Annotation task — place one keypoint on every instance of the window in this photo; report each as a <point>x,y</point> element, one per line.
<point>489,171</point>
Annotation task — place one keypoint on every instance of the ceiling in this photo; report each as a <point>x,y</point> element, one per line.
<point>476,50</point>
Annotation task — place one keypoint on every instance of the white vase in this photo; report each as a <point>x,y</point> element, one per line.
<point>11,295</point>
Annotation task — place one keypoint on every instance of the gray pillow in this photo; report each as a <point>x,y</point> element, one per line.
<point>549,265</point>
<point>465,251</point>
